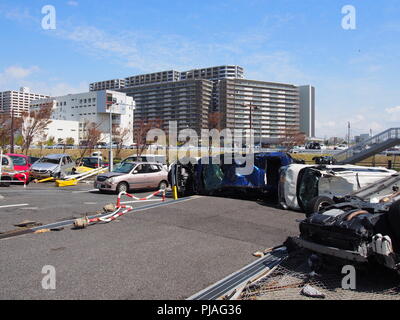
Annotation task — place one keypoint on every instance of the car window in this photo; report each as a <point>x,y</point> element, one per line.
<point>18,161</point>
<point>124,167</point>
<point>4,161</point>
<point>143,168</point>
<point>69,160</point>
<point>154,168</point>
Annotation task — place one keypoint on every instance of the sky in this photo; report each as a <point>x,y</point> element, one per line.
<point>355,71</point>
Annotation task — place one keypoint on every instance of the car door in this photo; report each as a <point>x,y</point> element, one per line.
<point>154,175</point>
<point>140,178</point>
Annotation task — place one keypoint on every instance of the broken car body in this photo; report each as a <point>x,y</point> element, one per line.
<point>300,184</point>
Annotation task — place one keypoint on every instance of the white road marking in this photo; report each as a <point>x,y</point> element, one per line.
<point>15,205</point>
<point>90,203</point>
<point>84,191</point>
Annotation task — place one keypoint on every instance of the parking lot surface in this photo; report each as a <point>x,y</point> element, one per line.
<point>160,250</point>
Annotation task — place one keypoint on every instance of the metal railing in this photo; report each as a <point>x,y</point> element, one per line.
<point>366,147</point>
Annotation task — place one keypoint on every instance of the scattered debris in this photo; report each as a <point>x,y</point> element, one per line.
<point>81,223</point>
<point>28,224</point>
<point>57,229</point>
<point>42,231</point>
<point>309,291</point>
<point>109,207</point>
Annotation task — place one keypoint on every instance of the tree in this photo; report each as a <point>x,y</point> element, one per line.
<point>34,123</point>
<point>51,141</point>
<point>70,141</point>
<point>120,136</point>
<point>5,129</point>
<point>91,137</point>
<point>292,137</point>
<point>215,120</point>
<point>140,130</point>
<point>5,125</point>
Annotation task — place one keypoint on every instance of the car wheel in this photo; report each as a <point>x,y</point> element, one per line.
<point>163,185</point>
<point>122,187</point>
<point>6,181</point>
<point>394,223</point>
<point>319,204</point>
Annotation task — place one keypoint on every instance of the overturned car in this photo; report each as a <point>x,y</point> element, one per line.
<point>362,227</point>
<point>308,187</point>
<point>222,175</point>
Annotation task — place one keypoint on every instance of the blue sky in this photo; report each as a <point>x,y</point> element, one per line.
<point>355,72</point>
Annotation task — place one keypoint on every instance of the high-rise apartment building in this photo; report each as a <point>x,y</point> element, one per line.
<point>18,101</point>
<point>113,84</point>
<point>278,107</point>
<point>307,110</point>
<point>187,102</point>
<point>270,109</point>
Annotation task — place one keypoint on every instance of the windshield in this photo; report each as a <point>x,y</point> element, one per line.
<point>18,161</point>
<point>47,160</point>
<point>307,186</point>
<point>125,167</point>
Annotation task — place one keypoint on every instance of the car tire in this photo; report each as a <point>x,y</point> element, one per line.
<point>394,223</point>
<point>318,204</point>
<point>6,183</point>
<point>163,185</point>
<point>122,187</point>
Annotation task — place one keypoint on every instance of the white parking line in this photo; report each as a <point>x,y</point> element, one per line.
<point>15,205</point>
<point>84,191</point>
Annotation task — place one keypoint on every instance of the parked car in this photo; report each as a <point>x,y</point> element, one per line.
<point>97,154</point>
<point>91,162</point>
<point>52,165</point>
<point>147,158</point>
<point>6,168</point>
<point>340,147</point>
<point>133,175</point>
<point>22,163</point>
<point>300,184</point>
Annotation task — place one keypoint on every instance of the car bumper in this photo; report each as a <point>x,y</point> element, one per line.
<point>105,185</point>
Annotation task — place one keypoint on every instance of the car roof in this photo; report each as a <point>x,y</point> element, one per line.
<point>16,155</point>
<point>56,156</point>
<point>143,162</point>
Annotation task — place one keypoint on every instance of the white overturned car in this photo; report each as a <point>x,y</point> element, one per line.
<point>306,187</point>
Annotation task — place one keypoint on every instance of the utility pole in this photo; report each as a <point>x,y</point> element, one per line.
<point>110,152</point>
<point>348,134</point>
<point>12,132</point>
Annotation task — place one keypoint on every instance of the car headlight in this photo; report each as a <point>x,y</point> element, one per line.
<point>111,180</point>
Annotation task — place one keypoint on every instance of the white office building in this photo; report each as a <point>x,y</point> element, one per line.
<point>93,107</point>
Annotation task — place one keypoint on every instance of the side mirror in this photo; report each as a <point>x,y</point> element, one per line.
<point>135,171</point>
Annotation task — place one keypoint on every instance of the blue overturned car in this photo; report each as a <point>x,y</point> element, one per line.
<point>223,175</point>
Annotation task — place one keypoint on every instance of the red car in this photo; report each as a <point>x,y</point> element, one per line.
<point>22,163</point>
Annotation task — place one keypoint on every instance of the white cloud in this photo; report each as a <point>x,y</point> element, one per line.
<point>73,3</point>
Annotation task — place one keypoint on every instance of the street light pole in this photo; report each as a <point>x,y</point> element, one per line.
<point>110,152</point>
<point>12,131</point>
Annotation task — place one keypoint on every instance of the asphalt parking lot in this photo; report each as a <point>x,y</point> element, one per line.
<point>167,250</point>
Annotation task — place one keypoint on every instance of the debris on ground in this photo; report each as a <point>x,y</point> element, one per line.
<point>28,224</point>
<point>42,231</point>
<point>287,281</point>
<point>109,207</point>
<point>309,291</point>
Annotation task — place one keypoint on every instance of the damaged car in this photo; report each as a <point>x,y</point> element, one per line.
<point>307,187</point>
<point>220,175</point>
<point>363,227</point>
